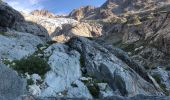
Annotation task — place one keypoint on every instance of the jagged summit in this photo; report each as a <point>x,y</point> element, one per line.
<point>44,13</point>
<point>81,12</point>
<point>120,6</point>
<point>116,7</point>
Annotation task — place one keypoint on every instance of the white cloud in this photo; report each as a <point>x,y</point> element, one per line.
<point>25,5</point>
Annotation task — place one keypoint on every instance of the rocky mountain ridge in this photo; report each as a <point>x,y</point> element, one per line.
<point>116,7</point>
<point>46,13</point>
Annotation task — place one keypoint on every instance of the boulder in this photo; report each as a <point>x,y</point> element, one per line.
<point>63,79</point>
<point>11,85</point>
<point>16,45</point>
<point>8,16</point>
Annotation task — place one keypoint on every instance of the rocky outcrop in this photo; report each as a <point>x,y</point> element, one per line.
<point>78,29</point>
<point>82,12</point>
<point>43,13</point>
<point>62,29</point>
<point>150,36</point>
<point>79,63</point>
<point>8,16</point>
<point>12,19</point>
<point>84,69</point>
<point>99,63</point>
<point>33,28</point>
<point>117,7</point>
<point>63,79</point>
<point>51,25</point>
<point>145,38</point>
<point>79,69</point>
<point>16,45</point>
<point>11,85</point>
<point>162,77</point>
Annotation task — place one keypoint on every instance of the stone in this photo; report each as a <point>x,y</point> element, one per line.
<point>8,16</point>
<point>65,71</point>
<point>104,65</point>
<point>16,45</point>
<point>78,29</point>
<point>11,85</point>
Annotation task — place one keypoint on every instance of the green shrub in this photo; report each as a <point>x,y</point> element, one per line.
<point>157,78</point>
<point>31,65</point>
<point>162,86</point>
<point>94,90</point>
<point>129,47</point>
<point>7,62</point>
<point>82,62</point>
<point>93,87</point>
<point>2,33</point>
<point>30,82</point>
<point>167,68</point>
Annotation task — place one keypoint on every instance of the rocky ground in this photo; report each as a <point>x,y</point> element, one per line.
<point>123,56</point>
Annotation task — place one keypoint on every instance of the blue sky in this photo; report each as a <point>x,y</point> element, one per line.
<point>55,6</point>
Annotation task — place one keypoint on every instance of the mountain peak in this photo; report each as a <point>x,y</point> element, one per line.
<point>44,13</point>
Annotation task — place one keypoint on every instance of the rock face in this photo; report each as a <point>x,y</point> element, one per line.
<point>16,45</point>
<point>150,36</point>
<point>77,29</point>
<point>115,7</point>
<point>99,62</point>
<point>33,28</point>
<point>145,38</point>
<point>11,18</point>
<point>43,13</point>
<point>8,16</point>
<point>62,29</point>
<point>65,72</point>
<point>11,85</point>
<point>81,12</point>
<point>162,77</point>
<point>51,25</point>
<point>84,69</point>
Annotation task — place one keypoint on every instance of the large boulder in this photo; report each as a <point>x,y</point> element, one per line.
<point>63,79</point>
<point>13,19</point>
<point>11,85</point>
<point>8,16</point>
<point>16,45</point>
<point>32,28</point>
